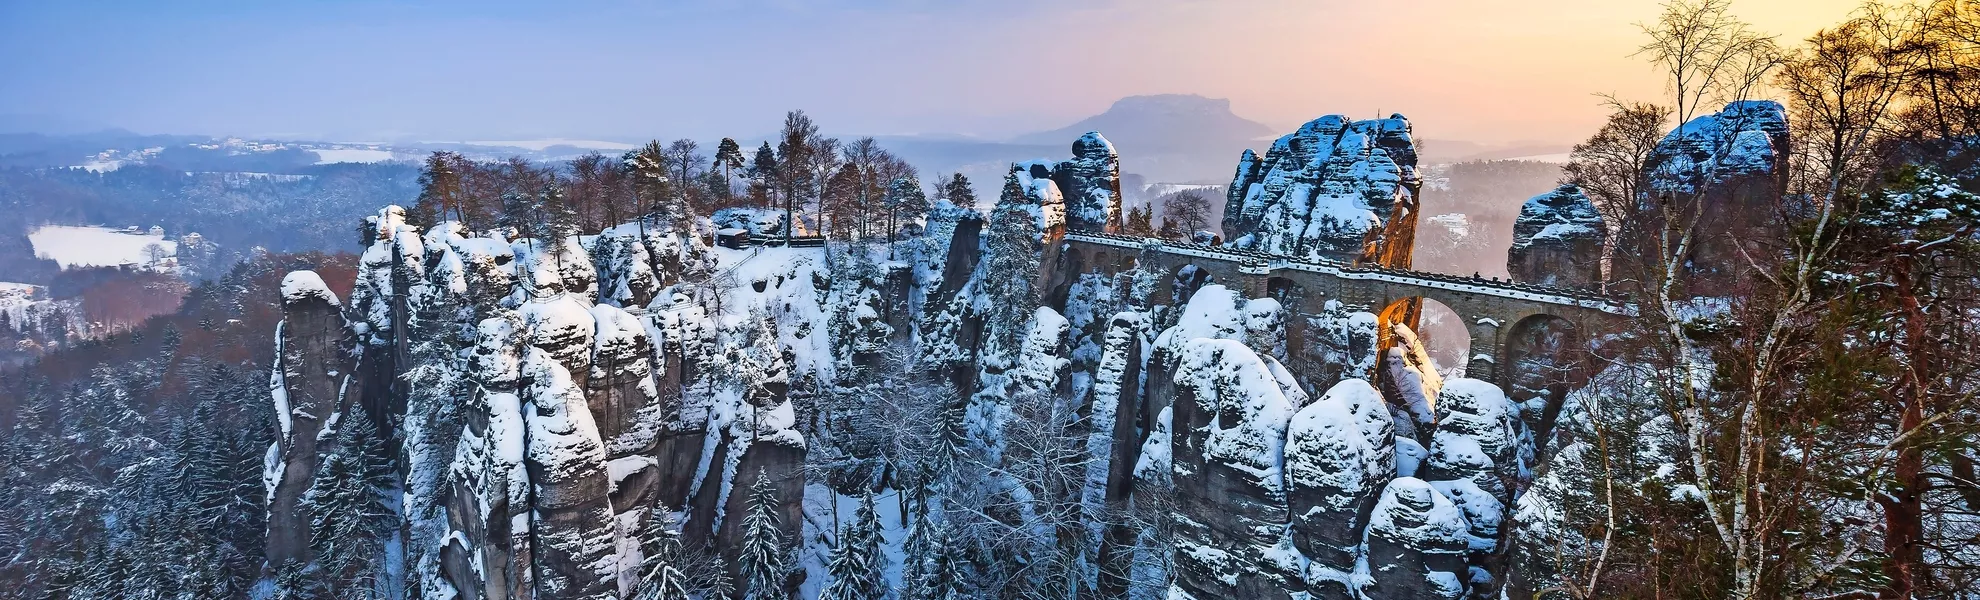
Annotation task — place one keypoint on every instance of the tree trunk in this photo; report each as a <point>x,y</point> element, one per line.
<point>1903,504</point>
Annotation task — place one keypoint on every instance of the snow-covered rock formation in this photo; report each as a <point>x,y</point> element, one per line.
<point>1558,240</point>
<point>554,399</point>
<point>312,372</point>
<point>1278,496</point>
<point>1088,184</point>
<point>1321,191</point>
<point>569,411</point>
<point>1722,171</point>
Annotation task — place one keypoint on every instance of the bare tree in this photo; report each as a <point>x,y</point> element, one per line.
<point>1186,212</point>
<point>1706,55</point>
<point>588,193</point>
<point>1611,165</point>
<point>684,160</point>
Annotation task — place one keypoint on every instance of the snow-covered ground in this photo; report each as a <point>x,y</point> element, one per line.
<point>102,166</point>
<point>1556,158</point>
<point>74,246</point>
<point>326,156</point>
<point>15,298</point>
<point>1156,190</point>
<point>541,145</point>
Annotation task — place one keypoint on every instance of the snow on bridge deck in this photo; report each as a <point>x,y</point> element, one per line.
<point>1264,262</point>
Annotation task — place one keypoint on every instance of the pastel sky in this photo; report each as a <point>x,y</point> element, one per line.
<point>1479,70</point>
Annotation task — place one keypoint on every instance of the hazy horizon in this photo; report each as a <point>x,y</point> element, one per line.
<point>376,71</point>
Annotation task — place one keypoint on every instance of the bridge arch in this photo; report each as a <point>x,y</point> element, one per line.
<point>1543,357</point>
<point>1438,327</point>
<point>1072,263</point>
<point>1184,282</point>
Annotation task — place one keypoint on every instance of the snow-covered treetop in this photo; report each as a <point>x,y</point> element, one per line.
<point>298,286</point>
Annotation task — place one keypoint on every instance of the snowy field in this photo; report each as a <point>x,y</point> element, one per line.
<point>541,145</point>
<point>73,246</point>
<point>15,297</point>
<point>1556,158</point>
<point>326,156</point>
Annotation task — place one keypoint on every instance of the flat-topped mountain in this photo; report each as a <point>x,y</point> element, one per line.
<point>1161,122</point>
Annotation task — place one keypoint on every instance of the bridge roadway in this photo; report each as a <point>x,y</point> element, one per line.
<point>1503,317</point>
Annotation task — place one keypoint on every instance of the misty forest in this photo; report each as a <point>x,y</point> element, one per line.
<point>1722,348</point>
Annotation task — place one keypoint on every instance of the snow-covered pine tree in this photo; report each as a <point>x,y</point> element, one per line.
<point>762,561</point>
<point>957,191</point>
<point>948,576</point>
<point>1010,265</point>
<point>918,551</point>
<point>719,585</point>
<point>348,516</point>
<point>293,581</point>
<point>858,565</point>
<point>906,203</point>
<point>659,578</point>
<point>847,566</point>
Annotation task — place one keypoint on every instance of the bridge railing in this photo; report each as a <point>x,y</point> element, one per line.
<point>1579,297</point>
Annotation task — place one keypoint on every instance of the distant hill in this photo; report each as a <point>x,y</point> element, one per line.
<point>1162,122</point>
<point>1168,137</point>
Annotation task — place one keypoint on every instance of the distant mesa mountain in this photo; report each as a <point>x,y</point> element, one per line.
<point>1160,122</point>
<point>1167,137</point>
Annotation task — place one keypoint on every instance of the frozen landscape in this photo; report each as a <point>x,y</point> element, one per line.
<point>997,317</point>
<point>94,246</point>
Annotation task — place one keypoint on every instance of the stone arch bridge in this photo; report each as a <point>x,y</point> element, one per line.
<point>1495,312</point>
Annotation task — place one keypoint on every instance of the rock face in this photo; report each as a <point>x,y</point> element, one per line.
<point>1088,185</point>
<point>313,367</point>
<point>1723,171</point>
<point>1321,191</point>
<point>1415,545</point>
<point>583,403</point>
<point>1276,496</point>
<point>1334,460</point>
<point>1558,240</point>
<point>1230,417</point>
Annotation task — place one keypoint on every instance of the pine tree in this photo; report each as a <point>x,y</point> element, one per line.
<point>653,188</point>
<point>947,574</point>
<point>1013,250</point>
<point>1169,230</point>
<point>858,565</point>
<point>906,203</point>
<point>522,213</point>
<point>440,191</point>
<point>764,165</point>
<point>660,547</point>
<point>720,585</point>
<point>348,516</point>
<point>728,158</point>
<point>958,191</point>
<point>763,542</point>
<point>1139,222</point>
<point>294,581</point>
<point>918,551</point>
